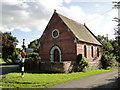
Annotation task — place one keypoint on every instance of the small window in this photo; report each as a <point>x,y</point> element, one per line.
<point>92,51</point>
<point>55,33</point>
<point>85,51</point>
<point>97,52</point>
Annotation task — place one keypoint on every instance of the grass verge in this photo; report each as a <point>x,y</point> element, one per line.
<point>14,80</point>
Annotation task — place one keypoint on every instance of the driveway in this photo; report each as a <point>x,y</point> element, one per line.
<point>103,80</point>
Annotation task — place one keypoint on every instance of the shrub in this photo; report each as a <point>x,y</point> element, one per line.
<point>108,60</point>
<point>81,62</point>
<point>33,55</point>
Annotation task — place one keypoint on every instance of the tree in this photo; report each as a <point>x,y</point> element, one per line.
<point>10,37</point>
<point>34,44</point>
<point>116,47</point>
<point>109,57</point>
<point>107,46</point>
<point>9,47</point>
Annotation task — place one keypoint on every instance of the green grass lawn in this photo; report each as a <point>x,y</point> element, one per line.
<point>14,80</point>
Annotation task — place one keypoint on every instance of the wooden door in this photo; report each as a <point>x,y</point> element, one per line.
<point>56,55</point>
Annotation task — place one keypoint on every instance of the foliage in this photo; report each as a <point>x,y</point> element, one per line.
<point>5,61</point>
<point>108,60</point>
<point>116,50</point>
<point>2,61</point>
<point>107,46</point>
<point>15,54</point>
<point>14,80</point>
<point>34,44</point>
<point>81,62</point>
<point>33,55</point>
<point>10,37</point>
<point>8,48</point>
<point>111,52</point>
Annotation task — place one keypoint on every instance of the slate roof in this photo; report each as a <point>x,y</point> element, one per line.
<point>81,32</point>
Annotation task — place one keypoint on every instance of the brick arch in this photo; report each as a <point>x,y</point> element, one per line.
<point>52,53</point>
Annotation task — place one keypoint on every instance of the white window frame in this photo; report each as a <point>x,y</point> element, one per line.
<point>57,32</point>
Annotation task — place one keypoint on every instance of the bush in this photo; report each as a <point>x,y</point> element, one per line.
<point>81,62</point>
<point>108,60</point>
<point>33,55</point>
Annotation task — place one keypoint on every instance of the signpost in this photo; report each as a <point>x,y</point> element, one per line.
<point>29,50</point>
<point>23,58</point>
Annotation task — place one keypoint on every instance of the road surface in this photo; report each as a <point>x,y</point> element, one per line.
<point>103,80</point>
<point>4,69</point>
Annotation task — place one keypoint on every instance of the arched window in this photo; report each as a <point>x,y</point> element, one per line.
<point>92,51</point>
<point>97,52</point>
<point>85,51</point>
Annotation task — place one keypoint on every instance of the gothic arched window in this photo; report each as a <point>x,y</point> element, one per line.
<point>85,51</point>
<point>92,51</point>
<point>97,52</point>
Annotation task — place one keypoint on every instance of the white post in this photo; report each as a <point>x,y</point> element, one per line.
<point>22,70</point>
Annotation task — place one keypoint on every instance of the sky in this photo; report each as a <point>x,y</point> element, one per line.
<point>27,19</point>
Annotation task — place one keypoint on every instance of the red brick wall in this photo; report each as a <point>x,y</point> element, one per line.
<point>80,50</point>
<point>65,40</point>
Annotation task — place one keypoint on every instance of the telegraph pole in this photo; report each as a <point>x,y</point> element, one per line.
<point>117,19</point>
<point>117,6</point>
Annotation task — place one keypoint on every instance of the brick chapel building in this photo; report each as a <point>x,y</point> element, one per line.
<point>62,40</point>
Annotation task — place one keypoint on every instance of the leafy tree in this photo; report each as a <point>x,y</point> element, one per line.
<point>116,50</point>
<point>109,56</point>
<point>10,37</point>
<point>34,44</point>
<point>107,46</point>
<point>9,48</point>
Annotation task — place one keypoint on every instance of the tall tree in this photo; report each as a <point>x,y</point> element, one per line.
<point>117,30</point>
<point>9,47</point>
<point>109,57</point>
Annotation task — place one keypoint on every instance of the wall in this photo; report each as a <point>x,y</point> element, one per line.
<point>80,50</point>
<point>63,67</point>
<point>65,41</point>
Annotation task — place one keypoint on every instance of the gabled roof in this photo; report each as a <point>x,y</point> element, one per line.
<point>81,32</point>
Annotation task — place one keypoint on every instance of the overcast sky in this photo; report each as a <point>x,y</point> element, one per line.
<point>27,19</point>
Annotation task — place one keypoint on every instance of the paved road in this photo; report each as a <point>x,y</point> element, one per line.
<point>4,69</point>
<point>103,80</point>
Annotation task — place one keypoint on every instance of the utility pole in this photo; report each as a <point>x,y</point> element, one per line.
<point>117,19</point>
<point>117,6</point>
